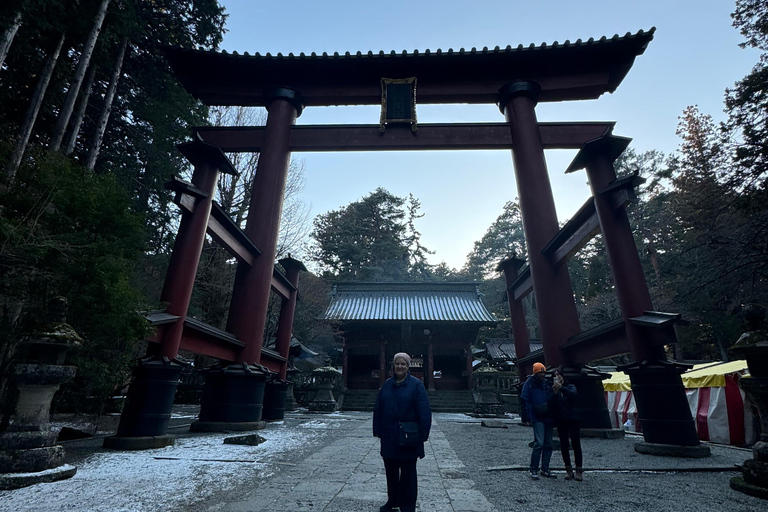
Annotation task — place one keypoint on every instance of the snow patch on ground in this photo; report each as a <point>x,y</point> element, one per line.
<point>138,481</point>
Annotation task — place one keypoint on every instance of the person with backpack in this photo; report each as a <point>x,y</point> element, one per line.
<point>536,395</point>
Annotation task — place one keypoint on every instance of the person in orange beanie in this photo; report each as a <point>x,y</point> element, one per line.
<point>536,395</point>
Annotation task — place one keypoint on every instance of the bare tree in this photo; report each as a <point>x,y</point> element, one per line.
<point>7,38</point>
<point>79,114</point>
<point>234,192</point>
<point>77,80</point>
<point>32,110</point>
<point>106,108</point>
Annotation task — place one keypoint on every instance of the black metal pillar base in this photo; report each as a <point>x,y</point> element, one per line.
<point>593,409</point>
<point>233,399</point>
<point>275,394</point>
<point>673,450</point>
<point>662,407</point>
<point>148,406</point>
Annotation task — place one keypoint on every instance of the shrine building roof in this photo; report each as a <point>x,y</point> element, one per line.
<point>565,71</point>
<point>504,348</point>
<point>434,302</point>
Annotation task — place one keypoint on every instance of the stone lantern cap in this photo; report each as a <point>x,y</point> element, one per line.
<point>49,341</point>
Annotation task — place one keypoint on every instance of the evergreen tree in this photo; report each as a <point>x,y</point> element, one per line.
<point>373,239</point>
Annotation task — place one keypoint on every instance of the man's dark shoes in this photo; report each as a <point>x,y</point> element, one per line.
<point>387,508</point>
<point>547,474</point>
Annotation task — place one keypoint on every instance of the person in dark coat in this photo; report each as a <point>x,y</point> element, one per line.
<point>401,399</point>
<point>536,394</point>
<point>566,416</point>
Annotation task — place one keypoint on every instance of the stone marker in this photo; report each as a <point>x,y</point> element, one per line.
<point>250,440</point>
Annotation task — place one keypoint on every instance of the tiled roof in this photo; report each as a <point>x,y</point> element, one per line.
<point>504,348</point>
<point>565,71</point>
<point>441,302</point>
<point>434,53</point>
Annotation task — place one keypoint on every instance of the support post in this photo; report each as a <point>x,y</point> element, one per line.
<point>468,361</point>
<point>208,161</point>
<point>345,365</point>
<point>233,396</point>
<point>656,383</point>
<point>382,363</point>
<point>250,296</point>
<point>511,267</point>
<point>558,318</point>
<point>287,309</point>
<point>144,421</point>
<point>430,364</point>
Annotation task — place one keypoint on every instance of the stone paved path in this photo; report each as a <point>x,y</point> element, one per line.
<point>348,475</point>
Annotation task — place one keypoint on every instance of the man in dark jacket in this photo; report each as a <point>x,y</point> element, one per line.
<point>402,399</point>
<point>536,394</point>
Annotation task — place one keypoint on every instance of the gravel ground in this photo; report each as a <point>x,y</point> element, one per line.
<point>495,459</point>
<point>613,480</point>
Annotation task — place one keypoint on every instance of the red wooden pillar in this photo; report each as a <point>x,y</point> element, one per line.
<point>468,358</point>
<point>510,267</point>
<point>558,318</point>
<point>382,363</point>
<point>657,387</point>
<point>287,309</point>
<point>345,365</point>
<point>208,161</point>
<point>144,420</point>
<point>628,277</point>
<point>431,364</point>
<point>250,295</point>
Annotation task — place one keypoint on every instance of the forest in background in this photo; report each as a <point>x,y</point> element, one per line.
<point>90,114</point>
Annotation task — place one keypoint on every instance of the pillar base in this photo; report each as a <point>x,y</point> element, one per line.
<point>9,481</point>
<point>673,450</point>
<point>224,426</point>
<point>148,406</point>
<point>138,442</point>
<point>275,394</point>
<point>662,405</point>
<point>591,400</point>
<point>233,394</point>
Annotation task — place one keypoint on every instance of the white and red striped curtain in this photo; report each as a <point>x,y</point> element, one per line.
<point>722,414</point>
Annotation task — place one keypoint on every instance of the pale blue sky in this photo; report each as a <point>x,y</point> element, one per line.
<point>694,56</point>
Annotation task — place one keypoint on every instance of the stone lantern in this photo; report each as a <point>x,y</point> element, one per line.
<point>753,346</point>
<point>28,450</point>
<point>325,379</point>
<point>485,384</point>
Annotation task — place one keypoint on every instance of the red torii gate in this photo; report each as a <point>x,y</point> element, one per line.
<point>514,78</point>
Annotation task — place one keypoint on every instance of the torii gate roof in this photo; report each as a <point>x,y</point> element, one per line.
<point>565,71</point>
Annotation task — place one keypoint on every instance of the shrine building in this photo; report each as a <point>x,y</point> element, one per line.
<point>435,323</point>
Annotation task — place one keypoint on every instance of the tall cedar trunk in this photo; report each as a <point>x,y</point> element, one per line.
<point>101,125</point>
<point>7,38</point>
<point>34,108</point>
<point>74,89</point>
<point>77,120</point>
